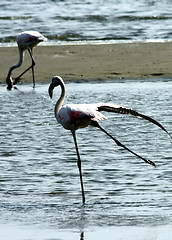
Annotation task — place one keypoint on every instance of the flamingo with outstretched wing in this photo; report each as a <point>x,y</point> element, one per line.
<point>75,116</point>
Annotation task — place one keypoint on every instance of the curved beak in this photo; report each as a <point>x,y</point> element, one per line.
<point>50,90</point>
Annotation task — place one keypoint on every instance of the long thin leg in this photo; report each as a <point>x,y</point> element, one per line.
<point>121,145</point>
<point>32,66</point>
<point>79,166</point>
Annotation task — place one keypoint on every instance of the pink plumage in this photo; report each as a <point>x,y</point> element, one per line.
<point>29,39</point>
<point>75,116</point>
<point>26,41</point>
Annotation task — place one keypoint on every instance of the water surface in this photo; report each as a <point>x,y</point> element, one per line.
<point>85,20</point>
<point>39,180</point>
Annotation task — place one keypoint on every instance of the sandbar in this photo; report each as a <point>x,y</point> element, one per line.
<point>82,62</point>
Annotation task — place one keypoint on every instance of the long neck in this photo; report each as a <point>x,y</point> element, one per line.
<point>18,64</point>
<point>59,103</point>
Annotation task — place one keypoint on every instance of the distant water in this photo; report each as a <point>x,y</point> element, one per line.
<point>84,20</point>
<point>39,180</point>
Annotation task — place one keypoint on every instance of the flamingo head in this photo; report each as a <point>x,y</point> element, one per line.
<point>9,83</point>
<point>56,81</point>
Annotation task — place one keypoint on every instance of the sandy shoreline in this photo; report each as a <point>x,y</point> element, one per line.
<point>92,61</point>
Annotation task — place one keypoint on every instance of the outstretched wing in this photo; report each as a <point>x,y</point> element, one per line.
<point>124,110</point>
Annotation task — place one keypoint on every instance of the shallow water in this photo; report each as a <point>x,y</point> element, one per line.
<point>39,180</point>
<point>85,20</point>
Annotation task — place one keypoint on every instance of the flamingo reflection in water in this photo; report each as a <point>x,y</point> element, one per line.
<point>26,41</point>
<point>75,116</point>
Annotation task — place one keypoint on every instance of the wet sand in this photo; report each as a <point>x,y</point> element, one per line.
<point>92,61</point>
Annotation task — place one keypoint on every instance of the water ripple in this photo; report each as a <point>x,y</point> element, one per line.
<point>39,180</point>
<point>64,21</point>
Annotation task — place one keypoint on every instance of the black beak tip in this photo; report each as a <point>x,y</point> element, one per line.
<point>50,91</point>
<point>50,94</point>
<point>9,88</point>
<point>9,84</point>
